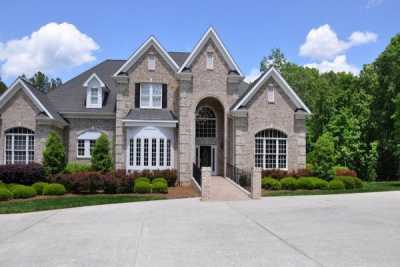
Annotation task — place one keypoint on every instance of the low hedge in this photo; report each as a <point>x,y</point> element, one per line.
<point>54,190</point>
<point>25,174</point>
<point>23,191</point>
<point>336,184</point>
<point>142,186</point>
<point>39,187</point>
<point>81,182</point>
<point>77,167</point>
<point>142,179</point>
<point>5,194</point>
<point>305,183</point>
<point>159,187</point>
<point>270,183</point>
<point>348,181</point>
<point>289,183</point>
<point>320,184</point>
<point>159,179</point>
<point>344,171</point>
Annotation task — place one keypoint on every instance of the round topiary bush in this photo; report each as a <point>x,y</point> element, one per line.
<point>39,187</point>
<point>54,190</point>
<point>142,187</point>
<point>5,194</point>
<point>3,185</point>
<point>159,180</point>
<point>144,179</point>
<point>336,184</point>
<point>270,183</point>
<point>23,191</point>
<point>289,183</point>
<point>305,183</point>
<point>160,187</point>
<point>320,184</point>
<point>358,183</point>
<point>348,181</point>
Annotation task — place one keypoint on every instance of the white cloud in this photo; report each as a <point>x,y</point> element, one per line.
<point>373,3</point>
<point>339,64</point>
<point>322,43</point>
<point>52,48</point>
<point>253,74</point>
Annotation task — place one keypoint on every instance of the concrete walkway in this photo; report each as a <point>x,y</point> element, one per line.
<point>223,190</point>
<point>332,230</point>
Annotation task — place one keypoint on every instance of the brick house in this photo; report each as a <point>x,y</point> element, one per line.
<point>162,110</point>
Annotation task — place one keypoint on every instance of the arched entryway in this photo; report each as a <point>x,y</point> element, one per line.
<point>209,135</point>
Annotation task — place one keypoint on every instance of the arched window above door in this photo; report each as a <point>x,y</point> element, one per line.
<point>206,122</point>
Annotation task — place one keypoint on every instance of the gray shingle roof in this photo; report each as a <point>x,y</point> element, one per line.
<point>151,114</point>
<point>179,57</point>
<point>45,101</point>
<point>71,96</point>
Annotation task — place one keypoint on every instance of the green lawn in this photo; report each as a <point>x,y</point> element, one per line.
<point>368,187</point>
<point>19,206</point>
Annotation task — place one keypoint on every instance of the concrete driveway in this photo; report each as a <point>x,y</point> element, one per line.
<point>337,230</point>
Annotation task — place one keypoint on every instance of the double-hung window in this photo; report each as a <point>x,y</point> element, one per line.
<point>19,147</point>
<point>86,142</point>
<point>271,149</point>
<point>150,95</point>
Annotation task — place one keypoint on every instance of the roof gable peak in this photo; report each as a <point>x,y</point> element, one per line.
<point>91,77</point>
<point>211,34</point>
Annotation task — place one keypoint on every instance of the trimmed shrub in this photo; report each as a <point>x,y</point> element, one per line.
<point>305,183</point>
<point>101,156</point>
<point>301,173</point>
<point>54,190</point>
<point>289,183</point>
<point>142,186</point>
<point>159,179</point>
<point>144,179</point>
<point>39,186</point>
<point>54,154</point>
<point>320,184</point>
<point>11,186</point>
<point>270,183</point>
<point>3,185</point>
<point>77,167</point>
<point>5,194</point>
<point>118,182</point>
<point>323,156</point>
<point>358,183</point>
<point>25,174</point>
<point>160,187</point>
<point>336,184</point>
<point>23,191</point>
<point>82,182</point>
<point>344,171</point>
<point>348,181</point>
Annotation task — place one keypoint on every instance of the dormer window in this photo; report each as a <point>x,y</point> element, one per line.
<point>94,92</point>
<point>151,62</point>
<point>271,94</point>
<point>210,60</point>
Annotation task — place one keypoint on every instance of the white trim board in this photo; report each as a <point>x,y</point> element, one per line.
<point>94,76</point>
<point>12,90</point>
<point>211,34</point>
<point>139,52</point>
<point>272,72</point>
<point>159,123</point>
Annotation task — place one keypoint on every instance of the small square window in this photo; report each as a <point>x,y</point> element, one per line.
<point>210,60</point>
<point>151,62</point>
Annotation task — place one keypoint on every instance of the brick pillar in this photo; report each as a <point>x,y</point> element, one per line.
<point>256,183</point>
<point>205,183</point>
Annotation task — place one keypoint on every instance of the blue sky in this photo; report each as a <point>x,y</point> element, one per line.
<point>249,29</point>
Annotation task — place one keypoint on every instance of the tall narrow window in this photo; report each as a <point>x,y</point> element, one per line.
<point>161,156</point>
<point>206,122</point>
<point>20,144</point>
<point>210,60</point>
<point>153,152</point>
<point>131,151</point>
<point>271,94</point>
<point>151,62</point>
<point>146,152</point>
<point>271,149</point>
<point>138,151</point>
<point>168,152</point>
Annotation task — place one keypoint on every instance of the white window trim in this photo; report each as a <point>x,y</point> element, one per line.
<point>151,104</point>
<point>210,60</point>
<point>264,154</point>
<point>151,62</point>
<point>87,136</point>
<point>27,150</point>
<point>100,87</point>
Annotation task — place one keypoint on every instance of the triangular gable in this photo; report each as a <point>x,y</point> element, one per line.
<point>211,34</point>
<point>272,72</point>
<point>7,95</point>
<point>141,50</point>
<point>94,76</point>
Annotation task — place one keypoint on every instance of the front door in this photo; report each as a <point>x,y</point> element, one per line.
<point>206,157</point>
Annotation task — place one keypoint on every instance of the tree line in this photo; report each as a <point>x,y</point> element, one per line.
<point>357,115</point>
